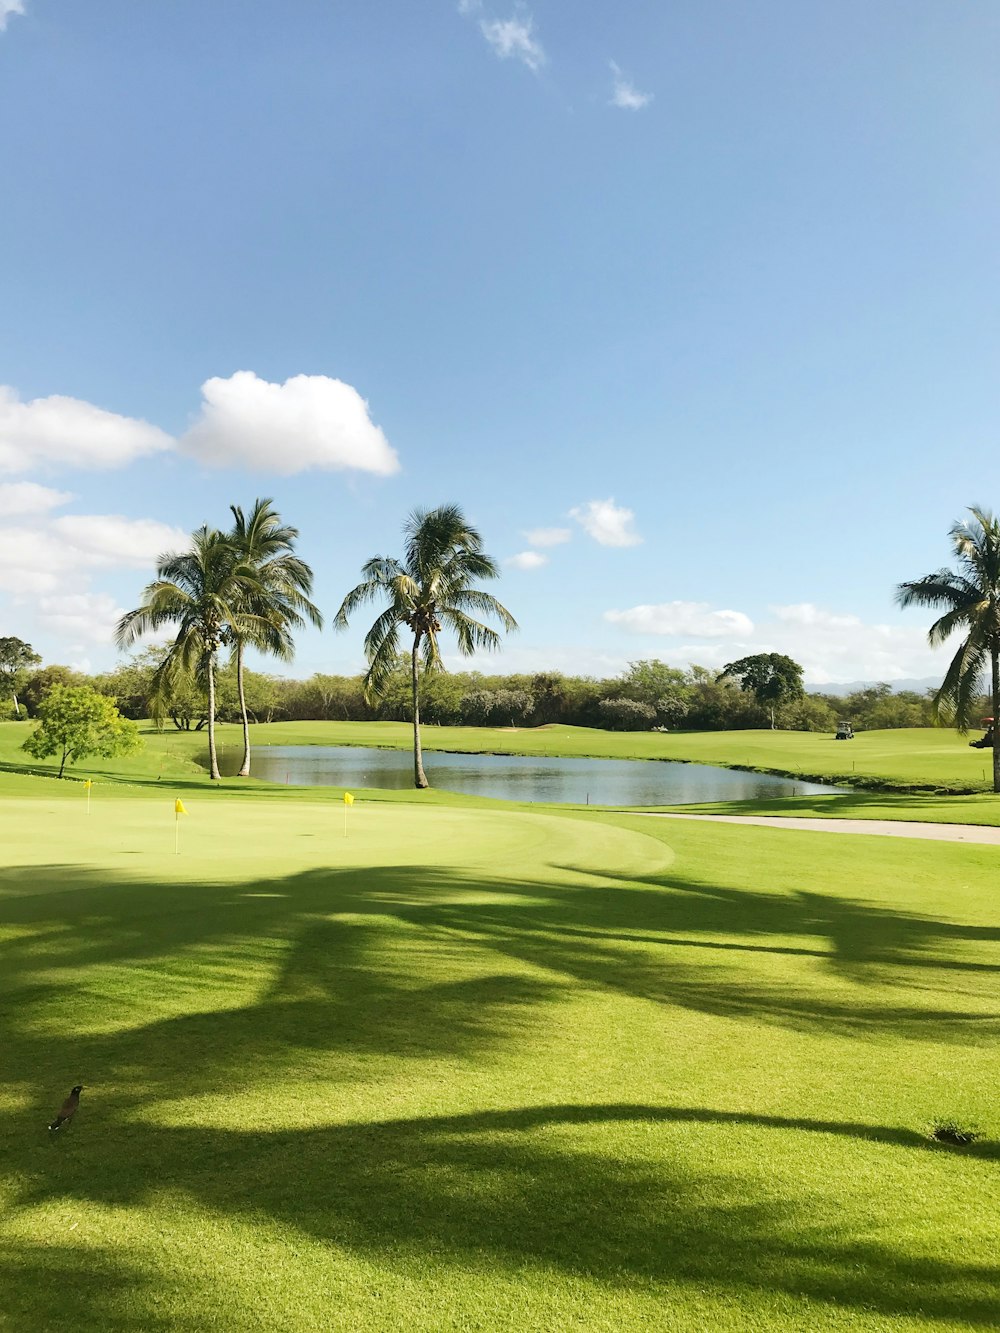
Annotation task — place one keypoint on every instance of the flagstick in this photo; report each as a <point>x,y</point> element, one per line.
<point>88,798</point>
<point>345,819</point>
<point>177,833</point>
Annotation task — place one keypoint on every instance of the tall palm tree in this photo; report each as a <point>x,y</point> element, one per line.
<point>203,591</point>
<point>266,545</point>
<point>431,587</point>
<point>970,596</point>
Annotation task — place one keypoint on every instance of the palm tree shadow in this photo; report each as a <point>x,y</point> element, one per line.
<point>508,1184</point>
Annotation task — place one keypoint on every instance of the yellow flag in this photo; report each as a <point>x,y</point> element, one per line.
<point>348,798</point>
<point>179,807</point>
<point>87,785</point>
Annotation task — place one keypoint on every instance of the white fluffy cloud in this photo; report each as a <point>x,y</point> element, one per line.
<point>514,39</point>
<point>82,617</point>
<point>625,94</point>
<point>527,560</point>
<point>695,619</point>
<point>310,421</point>
<point>8,7</point>
<point>19,498</point>
<point>608,523</point>
<point>112,540</point>
<point>48,432</point>
<point>60,555</point>
<point>830,646</point>
<point>547,536</point>
<point>841,647</point>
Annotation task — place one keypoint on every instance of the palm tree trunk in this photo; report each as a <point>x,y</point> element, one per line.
<point>419,776</point>
<point>996,719</point>
<point>245,766</point>
<point>213,759</point>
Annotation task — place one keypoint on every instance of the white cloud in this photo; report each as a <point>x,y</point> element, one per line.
<point>806,613</point>
<point>60,555</point>
<point>51,431</point>
<point>625,94</point>
<point>112,540</point>
<point>607,523</point>
<point>547,536</point>
<point>830,646</point>
<point>310,421</point>
<point>687,618</point>
<point>8,7</point>
<point>514,657</point>
<point>527,560</point>
<point>27,497</point>
<point>85,617</point>
<point>514,39</point>
<point>842,647</point>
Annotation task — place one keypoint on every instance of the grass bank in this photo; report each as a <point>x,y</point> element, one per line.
<point>471,1067</point>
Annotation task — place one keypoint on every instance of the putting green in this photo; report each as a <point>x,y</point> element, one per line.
<point>224,841</point>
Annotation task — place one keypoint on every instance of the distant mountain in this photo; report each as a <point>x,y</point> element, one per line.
<point>849,687</point>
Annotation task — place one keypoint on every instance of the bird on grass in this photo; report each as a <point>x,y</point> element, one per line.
<point>67,1111</point>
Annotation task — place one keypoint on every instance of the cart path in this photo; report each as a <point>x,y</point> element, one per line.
<point>885,828</point>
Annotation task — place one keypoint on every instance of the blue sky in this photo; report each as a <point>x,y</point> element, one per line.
<point>710,288</point>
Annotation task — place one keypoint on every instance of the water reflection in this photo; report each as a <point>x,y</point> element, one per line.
<point>513,777</point>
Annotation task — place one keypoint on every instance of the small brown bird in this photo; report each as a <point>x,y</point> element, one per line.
<point>67,1111</point>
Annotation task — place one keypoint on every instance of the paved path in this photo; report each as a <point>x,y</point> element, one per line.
<point>886,828</point>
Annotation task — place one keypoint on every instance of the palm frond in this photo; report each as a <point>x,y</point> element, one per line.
<point>381,667</point>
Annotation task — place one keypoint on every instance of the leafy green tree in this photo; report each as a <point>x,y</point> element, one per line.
<point>811,713</point>
<point>276,602</point>
<point>970,597</point>
<point>671,709</point>
<point>16,659</point>
<point>772,678</point>
<point>626,714</point>
<point>37,686</point>
<point>76,721</point>
<point>203,591</point>
<point>650,680</point>
<point>130,684</point>
<point>431,587</point>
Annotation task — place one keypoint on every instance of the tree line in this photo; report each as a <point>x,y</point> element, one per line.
<point>648,694</point>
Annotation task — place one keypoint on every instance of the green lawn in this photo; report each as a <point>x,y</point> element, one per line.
<point>473,1067</point>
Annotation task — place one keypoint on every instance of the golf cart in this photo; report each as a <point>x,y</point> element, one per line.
<point>845,732</point>
<point>985,741</point>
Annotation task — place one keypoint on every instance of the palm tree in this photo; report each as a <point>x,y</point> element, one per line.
<point>431,587</point>
<point>203,591</point>
<point>266,546</point>
<point>971,598</point>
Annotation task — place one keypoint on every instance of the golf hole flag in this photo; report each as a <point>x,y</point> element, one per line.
<point>178,811</point>
<point>348,802</point>
<point>86,787</point>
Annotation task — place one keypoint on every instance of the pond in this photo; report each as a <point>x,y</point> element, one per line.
<point>513,777</point>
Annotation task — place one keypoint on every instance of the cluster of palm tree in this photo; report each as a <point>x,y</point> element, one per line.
<point>230,590</point>
<point>247,588</point>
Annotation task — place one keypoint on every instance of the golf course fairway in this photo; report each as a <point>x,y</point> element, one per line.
<point>467,1066</point>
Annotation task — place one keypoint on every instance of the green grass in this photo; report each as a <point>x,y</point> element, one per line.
<point>480,1068</point>
<point>982,808</point>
